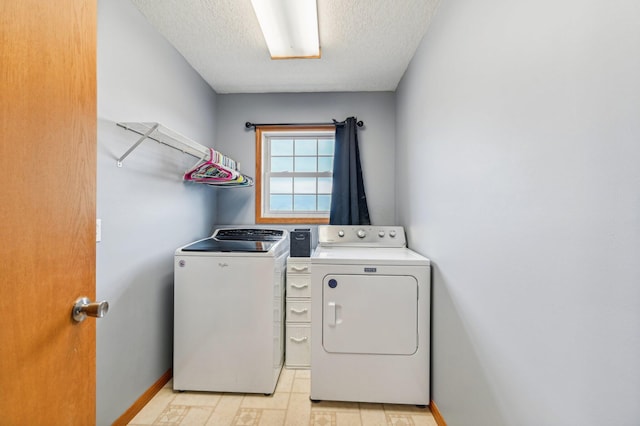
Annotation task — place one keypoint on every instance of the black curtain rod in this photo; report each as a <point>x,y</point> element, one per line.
<point>249,124</point>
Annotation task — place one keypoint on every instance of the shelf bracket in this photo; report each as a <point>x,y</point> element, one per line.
<point>135,145</point>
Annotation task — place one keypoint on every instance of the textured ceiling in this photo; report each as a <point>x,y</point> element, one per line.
<point>366,44</point>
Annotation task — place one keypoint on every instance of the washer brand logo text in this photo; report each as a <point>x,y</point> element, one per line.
<point>370,270</point>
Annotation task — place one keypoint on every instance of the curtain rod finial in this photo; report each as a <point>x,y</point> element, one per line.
<point>360,123</point>
<point>248,124</point>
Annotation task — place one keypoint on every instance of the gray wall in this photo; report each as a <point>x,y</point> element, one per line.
<point>376,141</point>
<point>518,137</point>
<point>146,210</point>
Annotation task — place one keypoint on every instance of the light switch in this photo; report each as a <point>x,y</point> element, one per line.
<point>98,230</point>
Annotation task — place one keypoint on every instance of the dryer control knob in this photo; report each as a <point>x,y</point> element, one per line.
<point>381,234</point>
<point>341,234</point>
<point>392,234</point>
<point>361,233</point>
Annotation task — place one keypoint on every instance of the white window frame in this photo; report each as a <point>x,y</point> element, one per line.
<point>264,174</point>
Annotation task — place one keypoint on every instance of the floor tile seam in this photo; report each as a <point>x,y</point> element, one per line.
<point>288,403</point>
<point>336,410</point>
<point>196,405</point>
<point>362,419</point>
<point>169,406</point>
<point>242,401</point>
<point>173,397</point>
<point>291,415</point>
<point>219,394</point>
<point>212,411</point>
<point>261,412</point>
<point>188,410</point>
<point>165,407</point>
<point>408,412</point>
<point>213,394</point>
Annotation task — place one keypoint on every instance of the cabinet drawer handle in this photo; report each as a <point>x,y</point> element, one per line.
<point>299,285</point>
<point>299,311</point>
<point>298,339</point>
<point>300,268</point>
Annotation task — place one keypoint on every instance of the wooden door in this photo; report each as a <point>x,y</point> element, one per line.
<point>47,213</point>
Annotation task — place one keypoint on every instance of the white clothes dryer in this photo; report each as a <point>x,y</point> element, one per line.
<point>370,317</point>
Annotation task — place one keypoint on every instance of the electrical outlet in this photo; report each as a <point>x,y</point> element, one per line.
<point>98,230</point>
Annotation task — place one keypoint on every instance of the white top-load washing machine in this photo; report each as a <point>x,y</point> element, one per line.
<point>370,317</point>
<point>229,311</point>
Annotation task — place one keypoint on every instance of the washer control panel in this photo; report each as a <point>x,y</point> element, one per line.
<point>361,235</point>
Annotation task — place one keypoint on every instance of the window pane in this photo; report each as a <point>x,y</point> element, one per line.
<point>280,185</point>
<point>280,203</point>
<point>306,146</point>
<point>281,164</point>
<point>304,185</point>
<point>304,202</point>
<point>325,164</point>
<point>305,164</point>
<point>325,146</point>
<point>297,169</point>
<point>324,203</point>
<point>324,185</point>
<point>281,146</point>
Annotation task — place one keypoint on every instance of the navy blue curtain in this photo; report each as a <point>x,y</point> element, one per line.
<point>348,199</point>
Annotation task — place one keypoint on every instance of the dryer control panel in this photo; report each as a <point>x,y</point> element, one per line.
<point>361,236</point>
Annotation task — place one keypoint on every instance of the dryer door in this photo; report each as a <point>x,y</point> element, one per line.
<point>370,314</point>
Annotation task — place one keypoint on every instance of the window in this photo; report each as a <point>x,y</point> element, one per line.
<point>294,173</point>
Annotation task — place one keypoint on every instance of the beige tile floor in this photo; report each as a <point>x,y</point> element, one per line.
<point>289,406</point>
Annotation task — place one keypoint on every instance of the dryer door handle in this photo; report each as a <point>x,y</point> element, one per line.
<point>331,314</point>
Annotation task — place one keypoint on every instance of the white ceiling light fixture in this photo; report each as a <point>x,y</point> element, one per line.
<point>290,27</point>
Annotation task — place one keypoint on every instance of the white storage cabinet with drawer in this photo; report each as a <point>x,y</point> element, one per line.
<point>298,313</point>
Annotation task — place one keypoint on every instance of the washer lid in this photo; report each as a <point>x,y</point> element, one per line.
<point>212,245</point>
